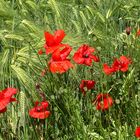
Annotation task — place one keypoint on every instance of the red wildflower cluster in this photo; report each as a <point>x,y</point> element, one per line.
<point>84,55</point>
<point>137,132</point>
<point>40,110</point>
<point>119,64</point>
<point>89,84</point>
<point>103,101</point>
<point>6,98</point>
<point>59,61</point>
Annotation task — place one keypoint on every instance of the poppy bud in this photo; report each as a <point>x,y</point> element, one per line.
<point>40,52</point>
<point>42,94</point>
<point>37,86</point>
<point>128,30</point>
<point>43,72</point>
<point>138,33</point>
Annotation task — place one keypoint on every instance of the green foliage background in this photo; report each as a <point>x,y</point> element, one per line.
<point>100,23</point>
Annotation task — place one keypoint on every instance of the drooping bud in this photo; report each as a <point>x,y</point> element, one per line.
<point>128,30</point>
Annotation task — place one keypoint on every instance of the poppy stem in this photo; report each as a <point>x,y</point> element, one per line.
<point>44,129</point>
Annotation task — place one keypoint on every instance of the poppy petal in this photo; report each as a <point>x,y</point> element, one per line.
<point>137,132</point>
<point>58,36</point>
<point>13,99</point>
<point>88,61</point>
<point>3,110</point>
<point>4,102</point>
<point>8,92</point>
<point>78,59</point>
<point>95,58</point>
<point>49,39</point>
<point>107,70</point>
<point>60,66</point>
<point>45,104</point>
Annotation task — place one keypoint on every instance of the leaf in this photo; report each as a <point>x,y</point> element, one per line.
<point>109,13</point>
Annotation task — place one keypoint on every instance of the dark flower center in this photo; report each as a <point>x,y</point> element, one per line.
<point>40,109</point>
<point>85,55</point>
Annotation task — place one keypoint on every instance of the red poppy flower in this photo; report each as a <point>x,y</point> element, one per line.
<point>40,52</point>
<point>119,64</point>
<point>103,101</point>
<point>53,42</point>
<point>108,70</point>
<point>84,55</point>
<point>6,97</point>
<point>89,84</point>
<point>137,132</point>
<point>59,62</point>
<point>138,33</point>
<point>40,110</point>
<point>124,63</point>
<point>128,30</point>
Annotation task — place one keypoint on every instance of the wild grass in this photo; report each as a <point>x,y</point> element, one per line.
<point>99,23</point>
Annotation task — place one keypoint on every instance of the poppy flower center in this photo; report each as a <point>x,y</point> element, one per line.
<point>85,88</point>
<point>39,109</point>
<point>102,103</point>
<point>85,55</point>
